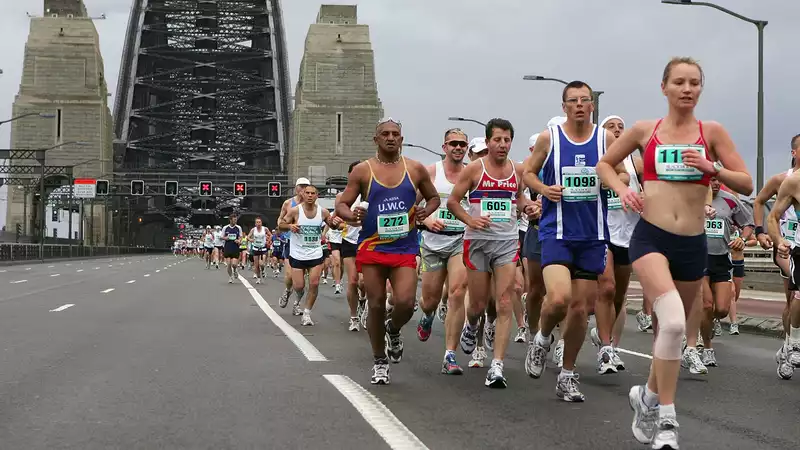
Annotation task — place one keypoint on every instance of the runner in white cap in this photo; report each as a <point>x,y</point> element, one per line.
<point>290,203</point>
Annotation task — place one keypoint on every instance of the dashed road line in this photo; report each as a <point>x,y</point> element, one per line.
<point>19,281</point>
<point>107,290</point>
<point>388,426</point>
<point>131,282</point>
<point>63,307</point>
<point>146,275</point>
<point>158,270</point>
<point>304,345</point>
<point>79,271</point>
<point>55,275</point>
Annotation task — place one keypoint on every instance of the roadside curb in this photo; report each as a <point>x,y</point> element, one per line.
<point>59,260</point>
<point>764,326</point>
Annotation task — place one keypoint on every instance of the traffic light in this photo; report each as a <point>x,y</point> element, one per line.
<point>137,187</point>
<point>171,188</point>
<point>181,226</point>
<point>274,189</point>
<point>206,188</point>
<point>101,187</point>
<point>239,189</point>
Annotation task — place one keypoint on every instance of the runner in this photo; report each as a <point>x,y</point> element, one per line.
<point>233,236</point>
<point>387,244</point>
<point>668,245</point>
<point>299,187</point>
<point>788,228</point>
<point>260,237</point>
<point>572,256</point>
<point>441,251</point>
<point>610,309</point>
<point>492,241</point>
<point>306,222</point>
<point>335,243</point>
<point>219,244</point>
<point>277,253</point>
<point>208,245</point>
<point>355,280</point>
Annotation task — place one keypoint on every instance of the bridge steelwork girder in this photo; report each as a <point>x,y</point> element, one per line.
<point>203,87</point>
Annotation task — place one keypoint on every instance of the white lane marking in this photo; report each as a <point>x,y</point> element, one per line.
<point>131,282</point>
<point>56,275</point>
<point>107,290</point>
<point>63,307</point>
<point>27,268</point>
<point>631,352</point>
<point>158,270</point>
<point>304,345</point>
<point>96,268</point>
<point>67,265</point>
<point>388,426</point>
<point>3,271</point>
<point>79,271</point>
<point>19,281</point>
<point>110,265</point>
<point>50,267</point>
<point>146,275</point>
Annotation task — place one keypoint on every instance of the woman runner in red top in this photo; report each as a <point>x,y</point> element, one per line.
<point>668,246</point>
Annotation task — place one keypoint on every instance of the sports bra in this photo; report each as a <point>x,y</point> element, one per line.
<point>649,170</point>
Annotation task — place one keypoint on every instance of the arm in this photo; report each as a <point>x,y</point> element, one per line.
<point>534,163</point>
<point>428,191</point>
<point>284,210</point>
<point>770,189</point>
<point>351,192</point>
<point>784,201</point>
<point>606,169</point>
<point>459,191</point>
<point>622,172</point>
<point>523,203</point>
<point>734,174</point>
<point>286,221</point>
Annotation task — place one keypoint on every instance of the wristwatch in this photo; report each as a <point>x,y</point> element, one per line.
<point>718,166</point>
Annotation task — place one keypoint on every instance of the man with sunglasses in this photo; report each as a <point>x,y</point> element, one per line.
<point>441,249</point>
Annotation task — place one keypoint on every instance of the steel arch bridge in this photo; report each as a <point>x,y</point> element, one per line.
<point>204,88</point>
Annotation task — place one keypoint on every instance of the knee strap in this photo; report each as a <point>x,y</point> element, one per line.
<point>668,308</point>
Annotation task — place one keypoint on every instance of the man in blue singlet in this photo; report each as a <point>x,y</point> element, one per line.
<point>572,256</point>
<point>387,242</point>
<point>233,237</point>
<point>290,203</point>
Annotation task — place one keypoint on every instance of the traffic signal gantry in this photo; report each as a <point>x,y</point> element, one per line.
<point>172,188</point>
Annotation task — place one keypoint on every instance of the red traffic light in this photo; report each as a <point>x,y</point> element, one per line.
<point>205,188</point>
<point>274,189</point>
<point>240,189</point>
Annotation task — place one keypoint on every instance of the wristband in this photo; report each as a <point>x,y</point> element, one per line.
<point>759,230</point>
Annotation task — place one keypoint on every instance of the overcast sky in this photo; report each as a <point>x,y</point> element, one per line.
<point>436,59</point>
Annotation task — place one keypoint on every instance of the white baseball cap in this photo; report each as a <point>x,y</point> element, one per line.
<point>532,140</point>
<point>477,145</point>
<point>557,120</point>
<point>302,181</point>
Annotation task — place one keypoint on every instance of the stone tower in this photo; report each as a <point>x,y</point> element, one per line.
<point>336,102</point>
<point>63,76</point>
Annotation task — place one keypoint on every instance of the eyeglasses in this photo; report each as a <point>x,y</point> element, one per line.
<point>575,101</point>
<point>457,143</point>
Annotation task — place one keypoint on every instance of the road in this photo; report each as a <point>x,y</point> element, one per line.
<point>174,357</point>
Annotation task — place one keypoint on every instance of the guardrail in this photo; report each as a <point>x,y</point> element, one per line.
<point>30,252</point>
<point>756,259</point>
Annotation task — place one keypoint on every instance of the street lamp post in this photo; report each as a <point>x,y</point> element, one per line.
<point>595,94</point>
<point>405,144</point>
<point>760,24</point>
<point>466,119</point>
<point>42,115</point>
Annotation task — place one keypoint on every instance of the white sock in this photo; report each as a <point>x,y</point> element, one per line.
<point>794,334</point>
<point>650,398</point>
<point>306,311</point>
<point>666,411</point>
<point>541,339</point>
<point>566,373</point>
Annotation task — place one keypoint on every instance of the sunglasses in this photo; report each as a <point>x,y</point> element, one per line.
<point>457,143</point>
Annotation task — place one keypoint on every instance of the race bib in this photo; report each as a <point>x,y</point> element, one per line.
<point>580,184</point>
<point>715,228</point>
<point>312,236</point>
<point>670,166</point>
<point>393,226</point>
<point>449,219</point>
<point>232,237</point>
<point>614,201</point>
<point>497,209</point>
<point>791,228</point>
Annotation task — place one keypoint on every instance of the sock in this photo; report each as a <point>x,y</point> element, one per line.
<point>449,353</point>
<point>692,347</point>
<point>794,334</point>
<point>541,339</point>
<point>566,373</point>
<point>497,362</point>
<point>649,397</point>
<point>666,411</point>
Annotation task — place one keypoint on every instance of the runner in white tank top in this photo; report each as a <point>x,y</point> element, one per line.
<point>441,253</point>
<point>306,222</point>
<point>335,241</point>
<point>613,283</point>
<point>260,237</point>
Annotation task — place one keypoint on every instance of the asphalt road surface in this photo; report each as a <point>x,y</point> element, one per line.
<point>151,352</point>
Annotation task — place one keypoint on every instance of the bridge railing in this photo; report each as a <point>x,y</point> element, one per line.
<point>10,252</point>
<point>757,259</point>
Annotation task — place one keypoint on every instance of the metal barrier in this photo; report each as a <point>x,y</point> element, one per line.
<point>756,259</point>
<point>30,252</point>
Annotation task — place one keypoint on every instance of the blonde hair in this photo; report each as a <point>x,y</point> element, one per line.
<point>682,60</point>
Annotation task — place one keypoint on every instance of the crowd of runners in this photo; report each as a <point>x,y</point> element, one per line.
<point>524,251</point>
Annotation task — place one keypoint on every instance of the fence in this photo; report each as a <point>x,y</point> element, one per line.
<point>30,252</point>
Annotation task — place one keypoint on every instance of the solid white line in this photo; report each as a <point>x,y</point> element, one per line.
<point>63,307</point>
<point>388,426</point>
<point>631,352</point>
<point>19,281</point>
<point>79,271</point>
<point>146,275</point>
<point>304,345</point>
<point>56,275</point>
<point>131,282</point>
<point>107,290</point>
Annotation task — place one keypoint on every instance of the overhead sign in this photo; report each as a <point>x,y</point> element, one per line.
<point>84,188</point>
